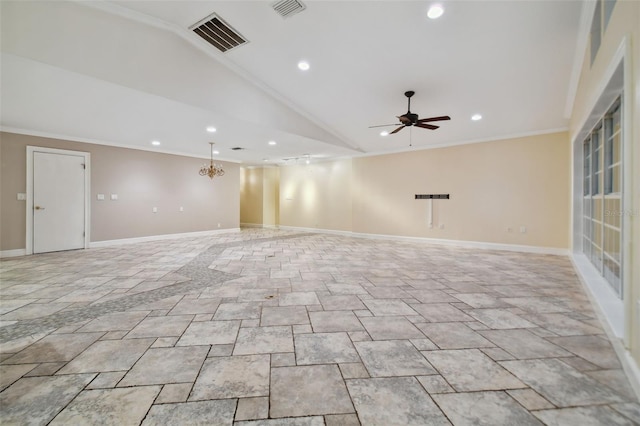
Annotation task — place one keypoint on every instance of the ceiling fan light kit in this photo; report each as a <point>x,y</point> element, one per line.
<point>410,119</point>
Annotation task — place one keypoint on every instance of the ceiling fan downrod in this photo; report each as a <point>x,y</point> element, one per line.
<point>409,94</point>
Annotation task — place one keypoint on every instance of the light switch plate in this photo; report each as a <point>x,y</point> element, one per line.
<point>100,197</point>
<point>22,196</point>
<point>114,197</point>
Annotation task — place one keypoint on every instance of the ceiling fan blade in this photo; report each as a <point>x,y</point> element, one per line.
<point>397,130</point>
<point>384,125</point>
<point>427,120</point>
<point>426,126</point>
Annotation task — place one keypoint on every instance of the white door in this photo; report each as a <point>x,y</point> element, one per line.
<point>58,202</point>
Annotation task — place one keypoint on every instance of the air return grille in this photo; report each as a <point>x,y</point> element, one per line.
<point>218,33</point>
<point>287,8</point>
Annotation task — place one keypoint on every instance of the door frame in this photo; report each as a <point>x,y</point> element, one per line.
<point>87,191</point>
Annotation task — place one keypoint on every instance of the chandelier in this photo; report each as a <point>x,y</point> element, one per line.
<point>211,170</point>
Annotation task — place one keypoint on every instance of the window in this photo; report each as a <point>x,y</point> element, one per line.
<point>586,205</point>
<point>602,196</point>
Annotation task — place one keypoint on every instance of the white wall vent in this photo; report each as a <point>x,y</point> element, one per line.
<point>218,33</point>
<point>286,8</point>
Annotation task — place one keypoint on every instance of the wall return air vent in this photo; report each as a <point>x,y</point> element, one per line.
<point>218,33</point>
<point>287,8</point>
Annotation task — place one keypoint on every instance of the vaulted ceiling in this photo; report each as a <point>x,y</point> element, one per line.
<point>129,72</point>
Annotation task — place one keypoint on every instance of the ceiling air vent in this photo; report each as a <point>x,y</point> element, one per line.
<point>286,8</point>
<point>218,33</point>
<point>237,148</point>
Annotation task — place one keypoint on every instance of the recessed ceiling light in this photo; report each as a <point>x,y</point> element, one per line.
<point>155,143</point>
<point>384,133</point>
<point>476,117</point>
<point>303,65</point>
<point>272,142</point>
<point>435,11</point>
<point>211,129</point>
<point>216,152</point>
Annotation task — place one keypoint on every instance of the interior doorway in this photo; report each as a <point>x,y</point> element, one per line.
<point>57,200</point>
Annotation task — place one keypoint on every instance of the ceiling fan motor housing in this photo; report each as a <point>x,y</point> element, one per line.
<point>410,119</point>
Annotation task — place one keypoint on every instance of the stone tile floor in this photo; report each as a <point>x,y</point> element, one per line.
<point>266,327</point>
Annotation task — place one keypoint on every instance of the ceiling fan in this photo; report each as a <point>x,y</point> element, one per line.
<point>410,119</point>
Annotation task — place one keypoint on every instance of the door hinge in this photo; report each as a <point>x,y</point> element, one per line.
<point>84,234</point>
<point>84,166</point>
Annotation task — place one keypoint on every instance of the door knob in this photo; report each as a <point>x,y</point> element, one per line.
<point>38,208</point>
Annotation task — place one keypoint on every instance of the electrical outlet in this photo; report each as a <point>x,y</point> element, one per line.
<point>523,229</point>
<point>441,226</point>
<point>154,210</point>
<point>181,209</point>
<point>218,224</point>
<point>22,196</point>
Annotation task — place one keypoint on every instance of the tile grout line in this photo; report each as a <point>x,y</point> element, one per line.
<point>197,270</point>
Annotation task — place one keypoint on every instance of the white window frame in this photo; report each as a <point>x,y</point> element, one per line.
<point>616,79</point>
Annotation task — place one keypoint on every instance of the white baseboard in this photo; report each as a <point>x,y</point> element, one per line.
<point>258,225</point>
<point>630,366</point>
<point>110,243</point>
<point>13,253</point>
<point>610,310</point>
<point>316,230</point>
<point>454,243</point>
<point>472,244</point>
<point>602,295</point>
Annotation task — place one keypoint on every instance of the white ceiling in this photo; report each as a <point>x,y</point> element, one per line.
<point>129,72</point>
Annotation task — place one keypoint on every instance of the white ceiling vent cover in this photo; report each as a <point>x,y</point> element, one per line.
<point>218,33</point>
<point>286,8</point>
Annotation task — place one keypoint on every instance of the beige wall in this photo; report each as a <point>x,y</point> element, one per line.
<point>317,195</point>
<point>251,195</point>
<point>142,180</point>
<point>624,22</point>
<point>259,195</point>
<point>3,183</point>
<point>493,186</point>
<point>271,196</point>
